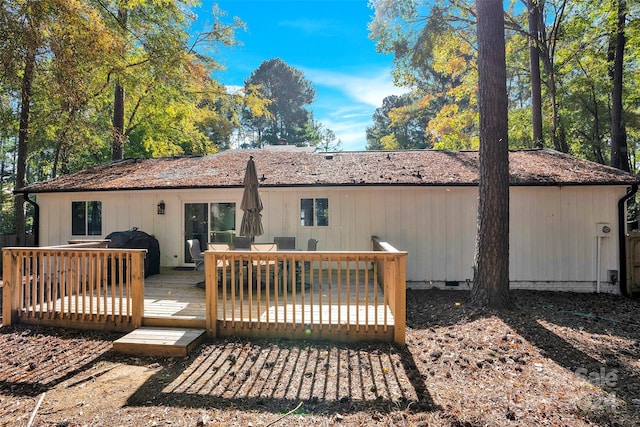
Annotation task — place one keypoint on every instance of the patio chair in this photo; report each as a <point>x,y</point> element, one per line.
<point>264,247</point>
<point>241,242</point>
<point>220,247</point>
<point>285,243</point>
<point>266,267</point>
<point>196,252</point>
<point>312,245</point>
<point>222,265</point>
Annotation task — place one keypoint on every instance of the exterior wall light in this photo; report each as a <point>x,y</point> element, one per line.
<point>161,207</point>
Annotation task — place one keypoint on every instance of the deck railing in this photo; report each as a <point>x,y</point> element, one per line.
<point>78,286</point>
<point>296,294</point>
<point>300,294</point>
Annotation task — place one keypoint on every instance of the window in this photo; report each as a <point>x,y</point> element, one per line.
<point>209,223</point>
<point>86,218</point>
<point>314,212</point>
<point>222,224</point>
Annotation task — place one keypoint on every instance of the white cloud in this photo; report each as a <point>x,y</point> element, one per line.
<point>370,88</point>
<point>349,129</point>
<point>346,102</point>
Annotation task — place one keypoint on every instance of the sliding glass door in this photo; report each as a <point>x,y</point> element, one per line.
<point>209,223</point>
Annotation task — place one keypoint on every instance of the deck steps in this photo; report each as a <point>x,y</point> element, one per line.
<point>166,342</point>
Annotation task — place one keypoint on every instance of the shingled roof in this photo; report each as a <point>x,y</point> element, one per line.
<point>290,167</point>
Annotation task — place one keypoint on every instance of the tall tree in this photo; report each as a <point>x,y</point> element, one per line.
<point>328,140</point>
<point>35,35</point>
<point>119,136</point>
<point>534,66</point>
<point>545,20</point>
<point>289,92</point>
<point>433,44</point>
<point>399,124</point>
<point>548,43</point>
<point>59,61</point>
<point>619,153</point>
<point>159,63</point>
<point>491,270</point>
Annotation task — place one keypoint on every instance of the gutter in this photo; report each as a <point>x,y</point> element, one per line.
<point>622,241</point>
<point>36,219</point>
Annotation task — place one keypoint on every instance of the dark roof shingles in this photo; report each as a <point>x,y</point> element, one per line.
<point>302,167</point>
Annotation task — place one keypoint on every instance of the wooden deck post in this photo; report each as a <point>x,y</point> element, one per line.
<point>137,288</point>
<point>211,294</point>
<point>400,298</point>
<point>8,284</point>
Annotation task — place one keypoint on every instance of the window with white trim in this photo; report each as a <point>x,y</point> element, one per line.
<point>314,212</point>
<point>86,218</point>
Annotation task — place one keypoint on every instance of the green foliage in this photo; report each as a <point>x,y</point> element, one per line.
<point>79,50</point>
<point>399,124</point>
<point>172,107</point>
<point>434,48</point>
<point>326,140</point>
<point>288,92</point>
<point>435,53</point>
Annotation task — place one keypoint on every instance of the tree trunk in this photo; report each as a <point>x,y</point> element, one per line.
<point>536,82</point>
<point>559,140</point>
<point>619,153</point>
<point>118,123</point>
<point>491,270</point>
<point>118,104</point>
<point>3,168</point>
<point>547,45</point>
<point>23,142</point>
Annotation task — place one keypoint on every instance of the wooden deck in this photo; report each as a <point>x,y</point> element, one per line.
<point>355,295</point>
<point>172,298</point>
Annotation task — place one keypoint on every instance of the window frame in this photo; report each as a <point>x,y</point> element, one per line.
<point>91,221</point>
<point>314,209</point>
<point>213,223</point>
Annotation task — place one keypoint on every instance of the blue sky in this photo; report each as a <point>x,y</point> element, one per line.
<point>328,41</point>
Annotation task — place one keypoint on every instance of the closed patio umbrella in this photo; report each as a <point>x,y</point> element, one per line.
<point>251,225</point>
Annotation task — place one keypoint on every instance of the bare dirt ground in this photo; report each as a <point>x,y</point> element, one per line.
<point>559,359</point>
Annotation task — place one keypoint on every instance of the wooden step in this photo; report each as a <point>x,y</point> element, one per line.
<point>166,342</point>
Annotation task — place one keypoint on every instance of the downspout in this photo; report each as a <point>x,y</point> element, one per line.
<point>36,220</point>
<point>622,240</point>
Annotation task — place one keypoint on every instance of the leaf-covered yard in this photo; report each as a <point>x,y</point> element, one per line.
<point>559,359</point>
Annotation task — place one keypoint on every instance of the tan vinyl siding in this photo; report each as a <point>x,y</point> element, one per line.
<point>553,232</point>
<point>552,229</point>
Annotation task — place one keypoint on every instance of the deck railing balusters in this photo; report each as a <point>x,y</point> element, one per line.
<point>366,298</point>
<point>358,293</point>
<point>69,286</point>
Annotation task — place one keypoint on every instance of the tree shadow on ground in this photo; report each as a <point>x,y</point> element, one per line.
<point>34,359</point>
<point>437,308</point>
<point>602,321</point>
<point>275,376</point>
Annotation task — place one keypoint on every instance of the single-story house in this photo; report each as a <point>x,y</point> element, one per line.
<point>567,216</point>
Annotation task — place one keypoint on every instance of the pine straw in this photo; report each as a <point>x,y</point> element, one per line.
<point>560,359</point>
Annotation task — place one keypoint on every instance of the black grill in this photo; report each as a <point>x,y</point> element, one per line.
<point>136,239</point>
